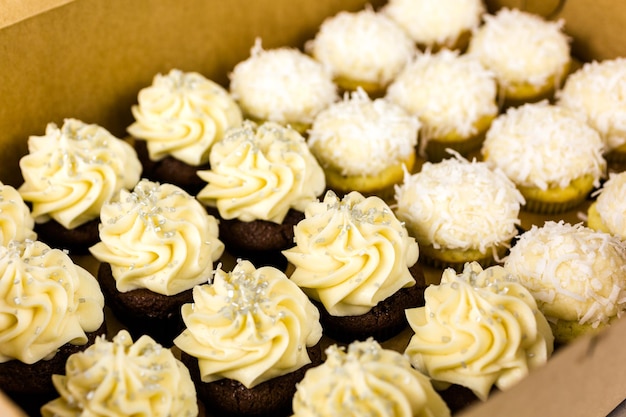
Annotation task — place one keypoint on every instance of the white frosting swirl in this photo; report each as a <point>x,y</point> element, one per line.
<point>366,380</point>
<point>71,171</point>
<point>122,378</point>
<point>352,253</point>
<point>182,114</point>
<point>260,172</point>
<point>478,329</point>
<point>16,221</point>
<point>157,237</point>
<point>46,301</point>
<point>249,325</point>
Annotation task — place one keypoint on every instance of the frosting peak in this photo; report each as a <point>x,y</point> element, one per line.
<point>16,222</point>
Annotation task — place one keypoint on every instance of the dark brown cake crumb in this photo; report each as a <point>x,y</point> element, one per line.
<point>77,240</point>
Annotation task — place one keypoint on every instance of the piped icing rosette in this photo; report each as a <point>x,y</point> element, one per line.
<point>249,325</point>
<point>436,23</point>
<point>120,378</point>
<point>598,91</point>
<point>182,114</point>
<point>576,274</point>
<point>16,221</point>
<point>364,48</point>
<point>71,171</point>
<point>367,379</point>
<point>351,253</point>
<point>157,237</point>
<point>282,85</point>
<point>46,301</point>
<point>608,212</point>
<point>479,329</point>
<point>259,172</point>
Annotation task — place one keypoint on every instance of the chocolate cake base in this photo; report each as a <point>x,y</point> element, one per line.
<point>143,311</point>
<point>227,397</point>
<point>383,321</point>
<point>77,240</point>
<point>30,386</point>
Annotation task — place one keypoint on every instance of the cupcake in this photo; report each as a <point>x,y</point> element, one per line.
<point>363,144</point>
<point>598,91</point>
<point>122,377</point>
<point>51,308</point>
<point>356,261</point>
<point>69,173</point>
<point>177,120</point>
<point>437,24</point>
<point>362,49</point>
<point>157,243</point>
<point>282,85</point>
<point>261,179</point>
<point>608,212</point>
<point>455,98</point>
<point>553,156</point>
<point>576,274</point>
<point>250,335</point>
<point>367,380</point>
<point>16,221</point>
<point>480,329</point>
<point>529,54</point>
<point>459,211</point>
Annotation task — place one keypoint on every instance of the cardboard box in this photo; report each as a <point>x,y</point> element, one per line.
<point>88,59</point>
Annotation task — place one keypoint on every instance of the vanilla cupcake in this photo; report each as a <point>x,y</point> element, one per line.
<point>51,308</point>
<point>367,379</point>
<point>250,335</point>
<point>576,274</point>
<point>261,179</point>
<point>529,54</point>
<point>550,153</point>
<point>16,221</point>
<point>157,243</point>
<point>362,49</point>
<point>177,120</point>
<point>437,24</point>
<point>69,173</point>
<point>598,91</point>
<point>356,260</point>
<point>363,144</point>
<point>454,96</point>
<point>282,85</point>
<point>122,377</point>
<point>479,329</point>
<point>459,211</point>
<point>608,212</point>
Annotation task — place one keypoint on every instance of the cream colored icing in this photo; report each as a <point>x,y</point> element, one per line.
<point>574,272</point>
<point>281,85</point>
<point>432,22</point>
<point>351,253</point>
<point>157,237</point>
<point>259,172</point>
<point>478,329</point>
<point>361,136</point>
<point>449,93</point>
<point>611,204</point>
<point>46,301</point>
<point>182,114</point>
<point>598,91</point>
<point>250,325</point>
<point>541,145</point>
<point>71,171</point>
<point>521,47</point>
<point>121,378</point>
<point>458,204</point>
<point>364,46</point>
<point>366,379</point>
<point>16,222</point>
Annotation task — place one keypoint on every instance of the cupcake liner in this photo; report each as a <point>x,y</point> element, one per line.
<point>550,207</point>
<point>436,149</point>
<point>485,262</point>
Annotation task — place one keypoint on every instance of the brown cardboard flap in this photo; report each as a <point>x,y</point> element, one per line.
<point>14,11</point>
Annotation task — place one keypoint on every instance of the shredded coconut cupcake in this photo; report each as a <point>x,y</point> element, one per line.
<point>282,85</point>
<point>608,212</point>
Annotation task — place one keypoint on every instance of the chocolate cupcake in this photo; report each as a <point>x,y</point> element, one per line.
<point>356,260</point>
